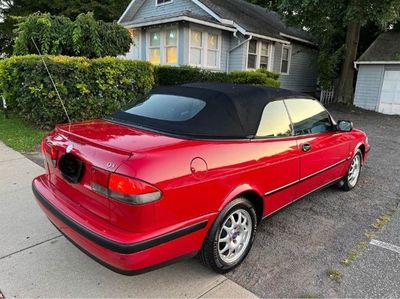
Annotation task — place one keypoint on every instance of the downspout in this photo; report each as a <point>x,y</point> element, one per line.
<point>234,48</point>
<point>355,65</point>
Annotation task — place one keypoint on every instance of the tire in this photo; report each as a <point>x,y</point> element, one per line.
<point>353,173</point>
<point>240,236</point>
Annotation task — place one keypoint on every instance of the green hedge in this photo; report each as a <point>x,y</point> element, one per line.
<point>168,75</point>
<point>94,88</point>
<point>90,88</point>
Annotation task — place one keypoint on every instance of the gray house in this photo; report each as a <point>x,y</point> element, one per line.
<point>221,35</point>
<point>378,80</point>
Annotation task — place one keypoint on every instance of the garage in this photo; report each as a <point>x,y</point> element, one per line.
<point>390,94</point>
<point>378,78</point>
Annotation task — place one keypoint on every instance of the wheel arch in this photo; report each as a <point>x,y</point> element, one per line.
<point>251,194</point>
<point>360,146</point>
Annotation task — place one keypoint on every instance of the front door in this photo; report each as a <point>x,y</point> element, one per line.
<point>324,150</point>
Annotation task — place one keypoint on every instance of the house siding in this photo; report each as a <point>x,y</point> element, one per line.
<point>149,9</point>
<point>277,57</point>
<point>303,69</point>
<point>369,85</point>
<point>237,57</point>
<point>225,47</point>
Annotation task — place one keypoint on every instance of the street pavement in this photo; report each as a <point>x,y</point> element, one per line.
<point>376,273</point>
<point>36,261</point>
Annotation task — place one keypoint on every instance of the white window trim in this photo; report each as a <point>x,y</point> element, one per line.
<point>269,54</point>
<point>289,59</point>
<point>165,3</point>
<point>248,53</point>
<point>148,44</point>
<point>205,49</point>
<point>202,48</point>
<point>258,53</point>
<point>163,44</point>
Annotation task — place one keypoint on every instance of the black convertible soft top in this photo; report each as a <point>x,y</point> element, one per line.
<point>231,111</point>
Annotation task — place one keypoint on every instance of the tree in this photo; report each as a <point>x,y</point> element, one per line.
<point>337,27</point>
<point>58,35</point>
<point>11,11</point>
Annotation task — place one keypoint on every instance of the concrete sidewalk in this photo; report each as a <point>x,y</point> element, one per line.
<point>36,261</point>
<point>376,273</point>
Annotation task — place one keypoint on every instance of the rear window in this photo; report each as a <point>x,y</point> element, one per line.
<point>168,108</point>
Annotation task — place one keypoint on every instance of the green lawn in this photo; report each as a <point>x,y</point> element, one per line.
<point>18,135</point>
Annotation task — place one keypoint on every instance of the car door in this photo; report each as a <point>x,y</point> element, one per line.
<point>278,171</point>
<point>324,150</point>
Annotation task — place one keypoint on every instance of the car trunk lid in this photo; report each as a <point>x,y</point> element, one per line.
<point>82,148</point>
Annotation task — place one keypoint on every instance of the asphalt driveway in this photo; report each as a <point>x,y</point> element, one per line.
<point>292,255</point>
<point>296,248</point>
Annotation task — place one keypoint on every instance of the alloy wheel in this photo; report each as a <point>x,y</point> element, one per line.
<point>354,171</point>
<point>234,236</point>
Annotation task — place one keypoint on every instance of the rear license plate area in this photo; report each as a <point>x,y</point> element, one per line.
<point>71,168</point>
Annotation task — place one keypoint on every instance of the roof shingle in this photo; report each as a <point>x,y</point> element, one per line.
<point>385,48</point>
<point>254,18</point>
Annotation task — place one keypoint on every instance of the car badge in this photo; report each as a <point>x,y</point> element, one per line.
<point>110,165</point>
<point>70,147</point>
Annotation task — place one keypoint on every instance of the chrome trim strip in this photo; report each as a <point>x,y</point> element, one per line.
<point>306,178</point>
<point>304,195</point>
<point>323,170</point>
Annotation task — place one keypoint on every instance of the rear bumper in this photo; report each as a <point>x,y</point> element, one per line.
<point>151,250</point>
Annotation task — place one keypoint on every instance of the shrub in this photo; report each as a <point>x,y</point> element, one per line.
<point>252,77</point>
<point>58,35</point>
<point>169,75</point>
<point>90,88</point>
<point>94,88</point>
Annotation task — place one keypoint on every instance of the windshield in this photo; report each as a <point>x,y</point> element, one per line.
<point>168,107</point>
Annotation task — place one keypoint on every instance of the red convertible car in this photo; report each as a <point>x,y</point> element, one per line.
<point>191,170</point>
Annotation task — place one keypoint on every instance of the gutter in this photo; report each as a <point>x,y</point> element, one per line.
<point>357,63</point>
<point>377,62</point>
<point>234,48</point>
<point>298,39</point>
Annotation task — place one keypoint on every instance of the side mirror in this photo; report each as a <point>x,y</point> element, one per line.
<point>345,126</point>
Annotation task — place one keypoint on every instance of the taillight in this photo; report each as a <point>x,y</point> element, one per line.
<point>123,188</point>
<point>131,190</point>
<point>49,152</point>
<point>99,182</point>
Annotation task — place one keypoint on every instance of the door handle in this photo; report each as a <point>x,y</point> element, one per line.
<point>306,147</point>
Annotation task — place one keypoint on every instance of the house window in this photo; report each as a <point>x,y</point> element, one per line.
<point>163,46</point>
<point>286,57</point>
<point>155,47</point>
<point>212,50</point>
<point>196,47</point>
<point>162,2</point>
<point>258,55</point>
<point>264,55</point>
<point>205,49</point>
<point>171,46</point>
<point>252,56</point>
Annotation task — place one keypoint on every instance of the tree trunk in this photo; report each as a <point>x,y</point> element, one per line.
<point>345,89</point>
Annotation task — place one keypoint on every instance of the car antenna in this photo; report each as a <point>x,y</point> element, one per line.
<point>52,80</point>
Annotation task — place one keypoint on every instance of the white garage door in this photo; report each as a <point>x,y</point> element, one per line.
<point>390,95</point>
